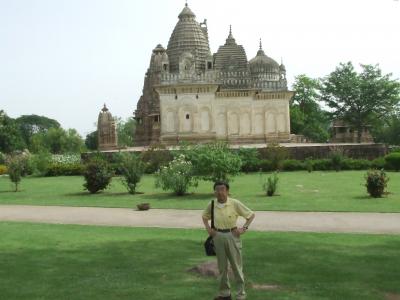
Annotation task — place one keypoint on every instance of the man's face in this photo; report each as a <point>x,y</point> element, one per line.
<point>221,193</point>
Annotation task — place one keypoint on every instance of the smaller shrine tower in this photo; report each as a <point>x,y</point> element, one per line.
<point>106,130</point>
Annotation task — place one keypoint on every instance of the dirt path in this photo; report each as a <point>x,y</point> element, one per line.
<point>377,223</point>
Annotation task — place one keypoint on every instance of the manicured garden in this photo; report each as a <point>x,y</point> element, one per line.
<point>297,191</point>
<point>39,261</point>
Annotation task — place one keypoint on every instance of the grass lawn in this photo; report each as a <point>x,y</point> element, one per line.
<point>40,261</point>
<point>298,191</point>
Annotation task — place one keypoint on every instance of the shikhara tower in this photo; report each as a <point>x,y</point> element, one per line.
<point>192,95</point>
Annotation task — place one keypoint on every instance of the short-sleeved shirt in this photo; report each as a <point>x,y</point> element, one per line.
<point>225,217</point>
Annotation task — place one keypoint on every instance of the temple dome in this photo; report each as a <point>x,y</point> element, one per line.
<point>231,56</point>
<point>159,59</point>
<point>188,37</point>
<point>263,64</point>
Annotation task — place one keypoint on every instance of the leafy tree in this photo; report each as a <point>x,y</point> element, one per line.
<point>363,98</point>
<point>31,124</point>
<point>92,140</point>
<point>125,131</point>
<point>97,174</point>
<point>306,116</point>
<point>10,136</point>
<point>15,167</point>
<point>57,141</point>
<point>131,168</point>
<point>389,132</point>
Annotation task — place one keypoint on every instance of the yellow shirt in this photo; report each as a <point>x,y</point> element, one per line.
<point>225,217</point>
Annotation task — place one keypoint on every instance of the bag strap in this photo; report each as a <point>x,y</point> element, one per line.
<point>212,214</point>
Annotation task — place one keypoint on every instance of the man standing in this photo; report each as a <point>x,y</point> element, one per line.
<point>226,236</point>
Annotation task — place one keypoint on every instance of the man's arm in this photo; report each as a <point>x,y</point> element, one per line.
<point>210,230</point>
<point>246,224</point>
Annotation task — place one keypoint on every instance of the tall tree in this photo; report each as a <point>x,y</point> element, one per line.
<point>306,115</point>
<point>31,124</point>
<point>125,131</point>
<point>91,140</point>
<point>363,98</point>
<point>10,136</point>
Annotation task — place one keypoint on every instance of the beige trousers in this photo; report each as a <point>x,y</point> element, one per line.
<point>229,249</point>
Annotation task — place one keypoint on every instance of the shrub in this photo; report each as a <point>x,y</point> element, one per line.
<point>131,168</point>
<point>266,165</point>
<point>393,160</point>
<point>177,176</point>
<point>336,157</point>
<point>15,166</point>
<point>57,169</point>
<point>2,158</point>
<point>155,157</point>
<point>97,174</point>
<point>292,165</point>
<point>250,159</point>
<point>3,169</point>
<point>40,163</point>
<point>214,162</point>
<point>378,163</point>
<point>322,164</point>
<point>275,154</point>
<point>271,184</point>
<point>356,164</point>
<point>376,182</point>
<point>308,164</point>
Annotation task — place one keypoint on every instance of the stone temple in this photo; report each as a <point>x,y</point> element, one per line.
<point>192,95</point>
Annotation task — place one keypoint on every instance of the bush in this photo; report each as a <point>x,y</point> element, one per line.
<point>155,157</point>
<point>276,154</point>
<point>322,164</point>
<point>266,165</point>
<point>356,164</point>
<point>40,163</point>
<point>97,174</point>
<point>308,164</point>
<point>292,165</point>
<point>393,160</point>
<point>131,168</point>
<point>15,166</point>
<point>214,162</point>
<point>177,176</point>
<point>336,157</point>
<point>250,159</point>
<point>270,186</point>
<point>378,163</point>
<point>3,169</point>
<point>376,182</point>
<point>2,158</point>
<point>58,169</point>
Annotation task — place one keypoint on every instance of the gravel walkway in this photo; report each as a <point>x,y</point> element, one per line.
<point>376,223</point>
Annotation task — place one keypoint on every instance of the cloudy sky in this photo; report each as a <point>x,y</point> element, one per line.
<point>64,58</point>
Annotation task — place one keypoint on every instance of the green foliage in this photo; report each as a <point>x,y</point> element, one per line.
<point>2,158</point>
<point>10,136</point>
<point>156,157</point>
<point>271,184</point>
<point>378,163</point>
<point>250,158</point>
<point>276,154</point>
<point>131,168</point>
<point>308,164</point>
<point>266,165</point>
<point>214,162</point>
<point>355,164</point>
<point>336,156</point>
<point>376,182</point>
<point>393,160</point>
<point>64,169</point>
<point>292,165</point>
<point>322,164</point>
<point>15,167</point>
<point>306,116</point>
<point>91,141</point>
<point>3,169</point>
<point>97,174</point>
<point>125,131</point>
<point>57,141</point>
<point>40,163</point>
<point>361,99</point>
<point>178,176</point>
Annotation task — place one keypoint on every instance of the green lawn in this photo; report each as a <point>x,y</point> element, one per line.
<point>298,191</point>
<point>40,261</point>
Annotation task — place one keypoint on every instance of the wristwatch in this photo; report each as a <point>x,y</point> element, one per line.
<point>246,227</point>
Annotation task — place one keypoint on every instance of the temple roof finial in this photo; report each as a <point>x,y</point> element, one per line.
<point>260,44</point>
<point>186,3</point>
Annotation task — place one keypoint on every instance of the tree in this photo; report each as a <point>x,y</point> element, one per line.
<point>389,133</point>
<point>125,131</point>
<point>363,98</point>
<point>10,136</point>
<point>31,124</point>
<point>92,140</point>
<point>57,141</point>
<point>306,116</point>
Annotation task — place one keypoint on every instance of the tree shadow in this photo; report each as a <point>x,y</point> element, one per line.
<point>171,196</point>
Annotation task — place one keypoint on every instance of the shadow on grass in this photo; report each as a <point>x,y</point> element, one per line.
<point>170,196</point>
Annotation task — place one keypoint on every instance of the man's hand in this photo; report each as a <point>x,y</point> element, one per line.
<point>238,232</point>
<point>212,232</point>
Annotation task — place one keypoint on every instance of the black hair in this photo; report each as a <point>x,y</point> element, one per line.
<point>221,183</point>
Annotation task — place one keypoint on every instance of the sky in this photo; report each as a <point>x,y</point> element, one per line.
<point>64,59</point>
